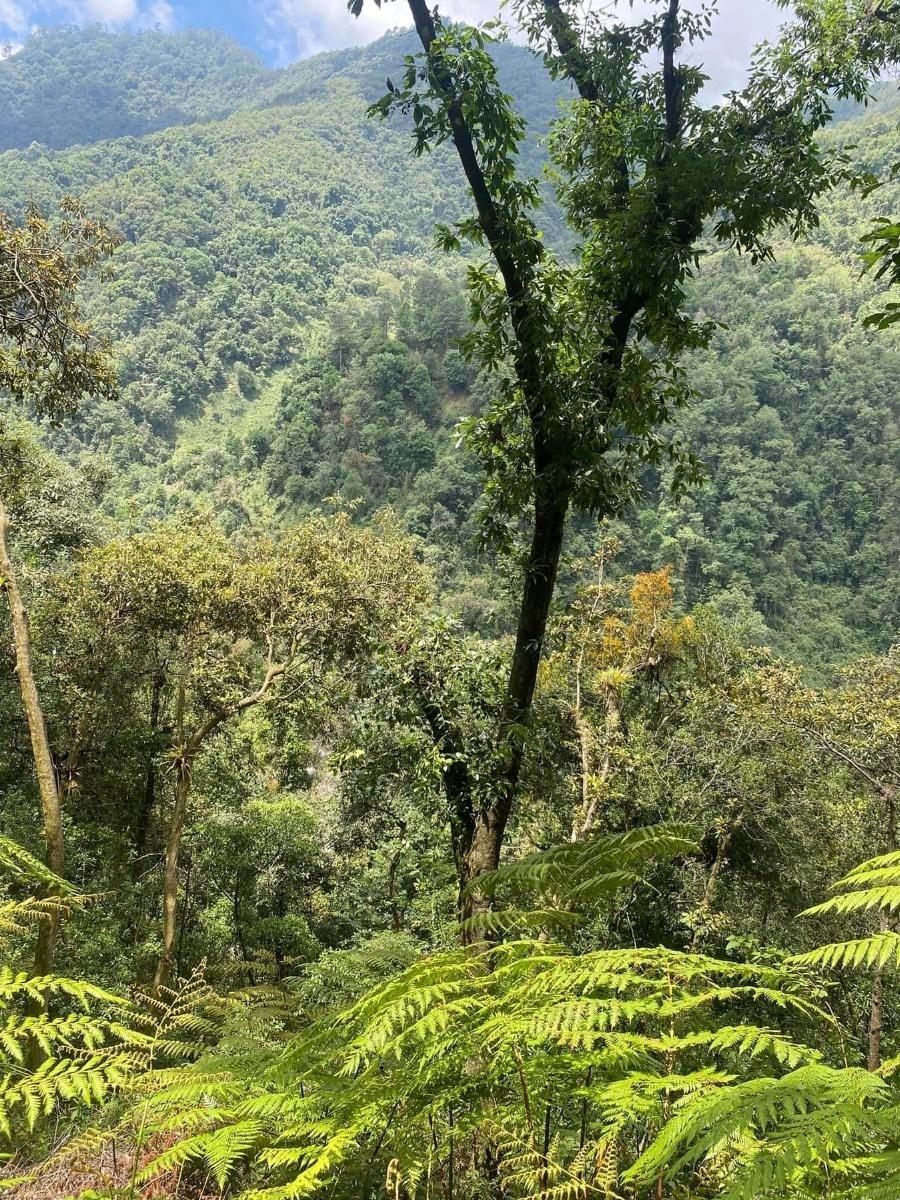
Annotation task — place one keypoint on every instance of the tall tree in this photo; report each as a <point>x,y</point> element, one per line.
<point>588,347</point>
<point>49,358</point>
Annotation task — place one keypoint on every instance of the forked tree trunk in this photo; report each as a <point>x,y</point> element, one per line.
<point>45,769</point>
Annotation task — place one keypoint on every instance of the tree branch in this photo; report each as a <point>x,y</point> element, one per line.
<point>672,86</point>
<point>577,63</point>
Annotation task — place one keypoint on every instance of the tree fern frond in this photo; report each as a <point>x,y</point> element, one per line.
<point>591,869</point>
<point>797,1106</point>
<point>19,985</point>
<point>18,862</point>
<point>873,885</point>
<point>888,861</point>
<point>311,1177</point>
<point>508,922</point>
<point>879,950</point>
<point>885,898</point>
<point>592,1074</point>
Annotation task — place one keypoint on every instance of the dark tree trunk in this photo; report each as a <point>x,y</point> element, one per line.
<point>876,1017</point>
<point>239,934</point>
<point>489,825</point>
<point>478,837</point>
<point>396,915</point>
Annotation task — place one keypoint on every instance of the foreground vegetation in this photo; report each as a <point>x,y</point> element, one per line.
<point>338,855</point>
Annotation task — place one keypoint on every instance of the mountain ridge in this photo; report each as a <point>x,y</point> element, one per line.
<point>77,85</point>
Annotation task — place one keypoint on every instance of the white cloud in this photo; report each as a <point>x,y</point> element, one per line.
<point>13,17</point>
<point>20,17</point>
<point>111,12</point>
<point>298,28</point>
<point>735,32</point>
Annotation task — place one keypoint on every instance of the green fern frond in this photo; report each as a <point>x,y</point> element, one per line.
<point>885,898</point>
<point>515,922</point>
<point>873,885</point>
<point>879,950</point>
<point>798,1121</point>
<point>587,871</point>
<point>610,1048</point>
<point>888,861</point>
<point>16,915</point>
<point>16,986</point>
<point>19,863</point>
<point>873,1177</point>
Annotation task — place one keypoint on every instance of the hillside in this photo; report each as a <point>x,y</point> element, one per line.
<point>70,86</point>
<point>285,330</point>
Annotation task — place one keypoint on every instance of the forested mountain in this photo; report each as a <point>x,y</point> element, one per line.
<point>272,257</point>
<point>72,86</point>
<point>449,687</point>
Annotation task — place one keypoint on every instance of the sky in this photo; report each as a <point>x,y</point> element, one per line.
<point>282,31</point>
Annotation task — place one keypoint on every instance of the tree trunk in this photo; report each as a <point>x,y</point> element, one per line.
<point>185,912</point>
<point>396,915</point>
<point>483,854</point>
<point>489,824</point>
<point>40,746</point>
<point>876,1013</point>
<point>537,593</point>
<point>723,845</point>
<point>148,798</point>
<point>885,922</point>
<point>477,835</point>
<point>170,876</point>
<point>239,933</point>
<point>587,816</point>
<point>187,750</point>
<point>551,493</point>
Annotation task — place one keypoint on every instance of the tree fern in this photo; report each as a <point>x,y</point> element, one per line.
<point>165,1033</point>
<point>16,915</point>
<point>548,1073</point>
<point>16,861</point>
<point>816,1130</point>
<point>56,1048</point>
<point>872,887</point>
<point>583,872</point>
<point>560,883</point>
<point>524,1059</point>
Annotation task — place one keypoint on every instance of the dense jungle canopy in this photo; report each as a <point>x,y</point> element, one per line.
<point>449,661</point>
